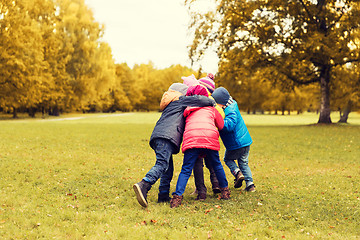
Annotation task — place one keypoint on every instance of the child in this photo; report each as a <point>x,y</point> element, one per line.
<point>166,139</point>
<point>201,137</point>
<point>209,84</point>
<point>236,139</point>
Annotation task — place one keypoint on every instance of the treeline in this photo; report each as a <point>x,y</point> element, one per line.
<point>53,60</point>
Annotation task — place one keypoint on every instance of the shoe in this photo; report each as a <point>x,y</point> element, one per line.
<point>238,180</point>
<point>216,190</point>
<point>214,182</point>
<point>225,193</point>
<point>141,189</point>
<point>175,201</point>
<point>163,197</point>
<point>201,197</point>
<point>250,188</point>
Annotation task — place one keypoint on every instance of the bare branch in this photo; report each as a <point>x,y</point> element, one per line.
<point>347,61</point>
<point>292,77</point>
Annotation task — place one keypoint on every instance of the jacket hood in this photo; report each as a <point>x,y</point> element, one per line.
<point>168,97</point>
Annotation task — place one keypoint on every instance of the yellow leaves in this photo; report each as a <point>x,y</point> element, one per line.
<point>73,8</point>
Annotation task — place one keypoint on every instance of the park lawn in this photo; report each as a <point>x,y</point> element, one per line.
<point>72,179</point>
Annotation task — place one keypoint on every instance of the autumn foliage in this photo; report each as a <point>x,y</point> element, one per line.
<point>53,59</point>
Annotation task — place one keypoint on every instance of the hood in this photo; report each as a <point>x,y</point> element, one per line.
<point>168,97</point>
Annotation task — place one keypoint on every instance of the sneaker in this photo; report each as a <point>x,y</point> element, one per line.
<point>175,201</point>
<point>201,197</point>
<point>250,188</point>
<point>225,193</point>
<point>163,197</point>
<point>238,180</point>
<point>141,189</point>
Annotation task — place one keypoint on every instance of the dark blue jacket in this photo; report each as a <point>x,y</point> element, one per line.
<point>171,124</point>
<point>235,134</point>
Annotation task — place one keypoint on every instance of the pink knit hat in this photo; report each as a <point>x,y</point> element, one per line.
<point>190,80</point>
<point>197,90</point>
<point>208,82</point>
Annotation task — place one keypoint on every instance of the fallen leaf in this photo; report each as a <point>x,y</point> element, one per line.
<point>208,210</point>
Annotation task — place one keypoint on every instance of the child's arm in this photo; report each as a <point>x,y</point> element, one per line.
<point>219,121</point>
<point>197,101</point>
<point>220,110</point>
<point>230,120</point>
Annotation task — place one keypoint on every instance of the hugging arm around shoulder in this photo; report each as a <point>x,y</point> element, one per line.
<point>197,101</point>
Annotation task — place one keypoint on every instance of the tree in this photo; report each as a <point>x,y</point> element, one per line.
<point>54,85</point>
<point>82,44</point>
<point>22,69</point>
<point>298,42</point>
<point>346,91</point>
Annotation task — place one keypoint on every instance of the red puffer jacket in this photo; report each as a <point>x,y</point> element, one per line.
<point>201,128</point>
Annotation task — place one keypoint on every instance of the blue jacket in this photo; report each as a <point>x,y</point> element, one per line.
<point>235,134</point>
<point>171,124</point>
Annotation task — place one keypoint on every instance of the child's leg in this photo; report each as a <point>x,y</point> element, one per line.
<point>190,157</point>
<point>229,160</point>
<point>164,187</point>
<point>213,179</point>
<point>218,168</point>
<point>199,177</point>
<point>163,150</point>
<point>243,161</point>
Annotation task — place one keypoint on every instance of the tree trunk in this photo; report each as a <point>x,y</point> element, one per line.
<point>325,96</point>
<point>32,112</point>
<point>14,113</point>
<point>345,115</point>
<point>55,111</point>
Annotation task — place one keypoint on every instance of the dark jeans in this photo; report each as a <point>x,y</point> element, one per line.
<point>164,166</point>
<point>190,157</point>
<point>199,175</point>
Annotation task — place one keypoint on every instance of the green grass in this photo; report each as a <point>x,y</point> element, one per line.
<point>72,179</point>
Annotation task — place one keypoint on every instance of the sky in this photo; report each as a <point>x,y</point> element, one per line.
<point>139,31</point>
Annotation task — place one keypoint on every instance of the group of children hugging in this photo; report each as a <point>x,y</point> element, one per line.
<point>195,114</point>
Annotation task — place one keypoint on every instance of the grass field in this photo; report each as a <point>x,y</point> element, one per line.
<point>71,178</point>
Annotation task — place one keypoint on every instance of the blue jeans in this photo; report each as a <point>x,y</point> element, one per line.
<point>164,166</point>
<point>242,156</point>
<point>190,157</point>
